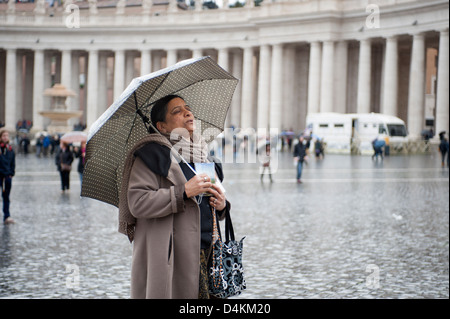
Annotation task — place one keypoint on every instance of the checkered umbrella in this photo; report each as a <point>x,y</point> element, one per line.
<point>203,84</point>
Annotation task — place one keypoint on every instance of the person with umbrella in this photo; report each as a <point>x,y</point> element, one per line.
<point>163,207</point>
<point>78,140</point>
<point>172,224</point>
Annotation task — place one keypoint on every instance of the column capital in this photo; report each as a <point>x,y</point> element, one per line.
<point>391,37</point>
<point>365,40</point>
<point>443,31</point>
<point>417,35</point>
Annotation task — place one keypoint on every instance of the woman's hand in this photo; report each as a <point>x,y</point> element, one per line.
<point>217,200</point>
<point>197,185</point>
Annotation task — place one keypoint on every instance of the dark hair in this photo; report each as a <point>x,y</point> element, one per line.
<point>159,110</point>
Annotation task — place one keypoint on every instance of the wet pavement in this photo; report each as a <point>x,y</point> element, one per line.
<point>354,228</point>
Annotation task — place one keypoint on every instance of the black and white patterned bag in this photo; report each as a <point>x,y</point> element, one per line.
<point>226,272</point>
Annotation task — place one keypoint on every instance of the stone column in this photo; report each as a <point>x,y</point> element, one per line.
<point>276,87</point>
<point>146,62</point>
<point>197,53</point>
<point>416,97</point>
<point>171,57</point>
<point>10,90</point>
<point>315,59</point>
<point>66,71</point>
<point>390,84</point>
<point>442,97</point>
<point>38,90</point>
<point>340,77</point>
<point>102,97</point>
<point>327,77</point>
<point>75,86</point>
<point>236,100</point>
<point>92,88</point>
<point>263,87</point>
<point>119,73</point>
<point>247,85</point>
<point>129,68</point>
<point>223,58</point>
<point>364,75</point>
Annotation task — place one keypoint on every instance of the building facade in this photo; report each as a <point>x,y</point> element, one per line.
<point>292,56</point>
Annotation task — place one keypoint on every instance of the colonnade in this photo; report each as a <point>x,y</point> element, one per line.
<point>280,82</point>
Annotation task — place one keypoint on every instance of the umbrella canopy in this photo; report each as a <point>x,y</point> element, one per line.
<point>202,83</point>
<point>74,137</point>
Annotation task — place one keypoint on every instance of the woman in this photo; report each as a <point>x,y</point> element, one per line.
<point>7,171</point>
<point>161,211</point>
<point>63,161</point>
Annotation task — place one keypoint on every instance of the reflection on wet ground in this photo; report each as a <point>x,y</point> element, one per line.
<point>355,228</point>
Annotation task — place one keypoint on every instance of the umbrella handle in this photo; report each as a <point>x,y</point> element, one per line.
<point>176,154</point>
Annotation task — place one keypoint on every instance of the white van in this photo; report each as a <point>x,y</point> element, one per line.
<point>344,132</point>
<point>335,129</point>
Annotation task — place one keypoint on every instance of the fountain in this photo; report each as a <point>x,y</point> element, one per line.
<point>58,114</point>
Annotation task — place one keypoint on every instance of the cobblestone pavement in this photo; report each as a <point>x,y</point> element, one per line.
<point>355,228</point>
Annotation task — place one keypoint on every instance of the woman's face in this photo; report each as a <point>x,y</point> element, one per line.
<point>5,137</point>
<point>178,115</point>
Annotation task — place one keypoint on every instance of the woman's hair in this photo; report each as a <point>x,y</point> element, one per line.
<point>159,110</point>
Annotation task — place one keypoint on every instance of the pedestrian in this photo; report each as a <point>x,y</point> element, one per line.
<point>54,144</point>
<point>24,143</point>
<point>300,156</point>
<point>63,161</point>
<point>443,148</point>
<point>80,152</point>
<point>378,145</point>
<point>39,142</point>
<point>318,147</point>
<point>7,171</point>
<point>161,210</point>
<point>45,145</point>
<point>264,159</point>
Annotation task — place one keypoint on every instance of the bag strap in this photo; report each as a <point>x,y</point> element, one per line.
<point>229,231</point>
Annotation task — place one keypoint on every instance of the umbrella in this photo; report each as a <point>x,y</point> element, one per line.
<point>379,143</point>
<point>74,137</point>
<point>202,83</point>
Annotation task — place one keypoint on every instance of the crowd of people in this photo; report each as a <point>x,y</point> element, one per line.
<point>45,145</point>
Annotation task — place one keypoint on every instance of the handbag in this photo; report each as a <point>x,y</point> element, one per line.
<point>65,167</point>
<point>226,272</point>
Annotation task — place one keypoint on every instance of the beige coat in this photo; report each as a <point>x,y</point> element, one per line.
<point>166,251</point>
